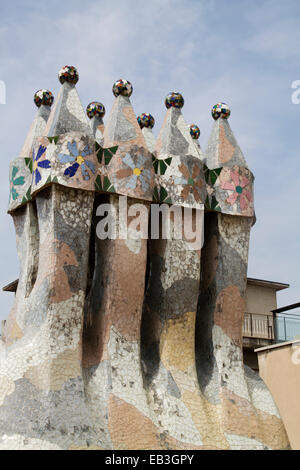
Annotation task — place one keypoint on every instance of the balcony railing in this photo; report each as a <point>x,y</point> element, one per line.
<point>287,327</point>
<point>258,326</point>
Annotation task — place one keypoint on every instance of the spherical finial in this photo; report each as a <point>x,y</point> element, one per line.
<point>174,99</point>
<point>220,110</point>
<point>122,87</point>
<point>43,97</point>
<point>95,108</point>
<point>69,74</point>
<point>194,131</point>
<point>146,120</point>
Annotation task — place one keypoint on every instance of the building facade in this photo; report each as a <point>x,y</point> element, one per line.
<point>259,320</point>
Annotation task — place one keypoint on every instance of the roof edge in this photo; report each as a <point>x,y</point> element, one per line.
<point>277,345</point>
<point>11,287</point>
<point>264,283</point>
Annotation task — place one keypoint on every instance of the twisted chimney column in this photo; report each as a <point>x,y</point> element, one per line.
<point>245,420</point>
<point>47,396</point>
<point>23,212</point>
<point>113,312</point>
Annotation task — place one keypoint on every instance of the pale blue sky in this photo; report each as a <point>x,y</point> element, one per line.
<point>243,52</point>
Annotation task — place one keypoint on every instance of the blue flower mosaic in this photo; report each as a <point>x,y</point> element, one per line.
<point>78,159</point>
<point>38,163</point>
<point>135,171</point>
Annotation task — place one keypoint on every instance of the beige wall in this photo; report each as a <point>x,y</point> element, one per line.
<point>260,299</point>
<point>279,367</point>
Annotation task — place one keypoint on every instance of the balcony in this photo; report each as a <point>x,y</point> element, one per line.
<point>276,327</point>
<point>258,326</point>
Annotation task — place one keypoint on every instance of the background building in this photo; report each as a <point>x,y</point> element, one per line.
<point>271,346</point>
<point>279,367</point>
<point>259,322</point>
